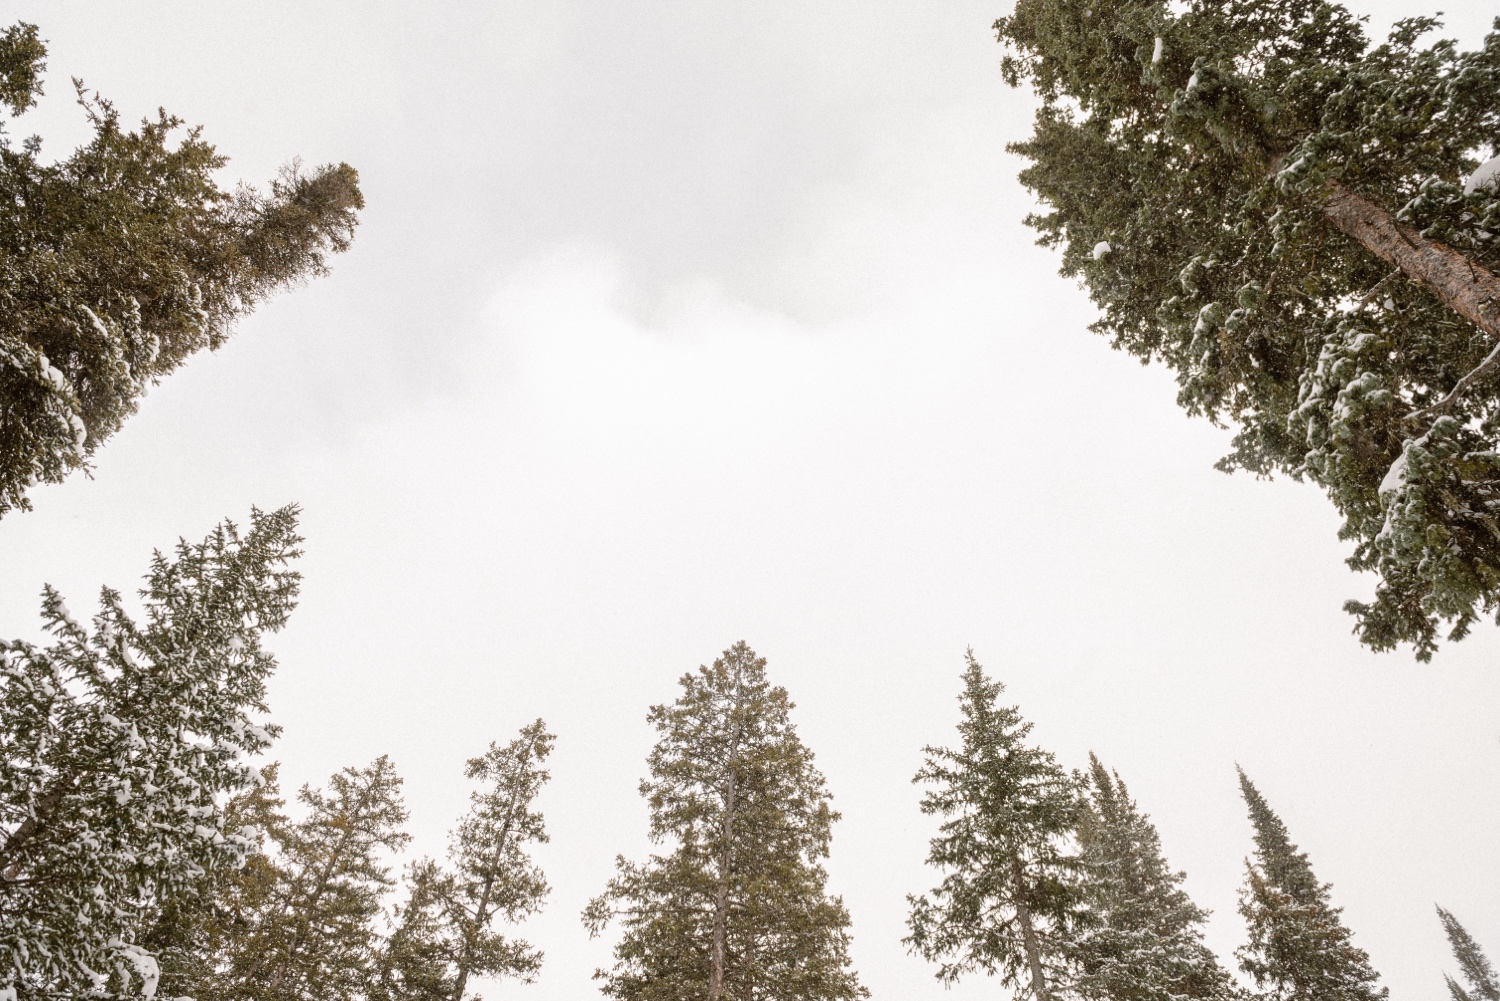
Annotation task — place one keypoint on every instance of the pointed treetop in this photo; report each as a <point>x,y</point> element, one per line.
<point>1472,962</point>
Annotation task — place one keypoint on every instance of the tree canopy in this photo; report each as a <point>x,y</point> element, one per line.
<point>120,261</point>
<point>1276,209</point>
<point>737,907</point>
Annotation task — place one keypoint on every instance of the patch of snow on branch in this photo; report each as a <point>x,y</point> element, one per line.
<point>1156,52</point>
<point>1101,248</point>
<point>1486,176</point>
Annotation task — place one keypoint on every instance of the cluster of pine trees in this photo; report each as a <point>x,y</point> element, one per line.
<point>1254,195</point>
<point>1055,882</point>
<point>144,853</point>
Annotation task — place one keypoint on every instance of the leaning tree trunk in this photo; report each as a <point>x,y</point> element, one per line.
<point>1466,288</point>
<point>1463,286</point>
<point>1028,934</point>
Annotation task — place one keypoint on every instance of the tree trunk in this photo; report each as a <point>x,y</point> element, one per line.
<point>1463,286</point>
<point>481,913</point>
<point>1028,934</point>
<point>721,897</point>
<point>40,814</point>
<point>726,856</point>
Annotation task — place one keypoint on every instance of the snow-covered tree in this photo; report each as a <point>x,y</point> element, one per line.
<point>1139,936</point>
<point>445,932</point>
<point>1008,894</point>
<point>315,932</point>
<point>121,260</point>
<point>119,745</point>
<point>1298,224</point>
<point>196,938</point>
<point>738,905</point>
<point>1299,950</point>
<point>1475,966</point>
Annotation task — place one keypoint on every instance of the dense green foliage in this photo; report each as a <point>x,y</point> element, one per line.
<point>121,260</point>
<point>1199,172</point>
<point>1299,950</point>
<point>118,743</point>
<point>1138,937</point>
<point>737,907</point>
<point>1009,891</point>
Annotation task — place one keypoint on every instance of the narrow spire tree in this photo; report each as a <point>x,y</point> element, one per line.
<point>738,907</point>
<point>119,745</point>
<point>1472,963</point>
<point>1008,811</point>
<point>1140,936</point>
<point>120,261</point>
<point>1298,947</point>
<point>493,876</point>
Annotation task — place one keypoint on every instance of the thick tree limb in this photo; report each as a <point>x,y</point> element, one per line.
<point>1469,290</point>
<point>40,814</point>
<point>1466,288</point>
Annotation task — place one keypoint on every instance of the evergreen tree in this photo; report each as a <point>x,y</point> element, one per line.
<point>1277,210</point>
<point>1140,936</point>
<point>1472,963</point>
<point>118,743</point>
<point>120,261</point>
<point>1008,897</point>
<point>416,963</point>
<point>1298,946</point>
<point>315,935</point>
<point>198,936</point>
<point>445,933</point>
<point>738,905</point>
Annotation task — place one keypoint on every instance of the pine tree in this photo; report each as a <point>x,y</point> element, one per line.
<point>1277,210</point>
<point>1298,947</point>
<point>416,963</point>
<point>446,935</point>
<point>737,907</point>
<point>1008,894</point>
<point>1472,963</point>
<point>1140,936</point>
<point>117,745</point>
<point>198,936</point>
<point>120,261</point>
<point>315,935</point>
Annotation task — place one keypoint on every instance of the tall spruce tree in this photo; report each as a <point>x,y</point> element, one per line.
<point>1472,963</point>
<point>118,744</point>
<point>738,906</point>
<point>1277,210</point>
<point>445,933</point>
<point>1009,895</point>
<point>121,260</point>
<point>315,934</point>
<point>1140,937</point>
<point>1299,950</point>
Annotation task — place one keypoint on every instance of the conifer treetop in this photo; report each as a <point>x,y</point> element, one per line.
<point>1298,946</point>
<point>1008,811</point>
<point>1473,964</point>
<point>119,744</point>
<point>120,261</point>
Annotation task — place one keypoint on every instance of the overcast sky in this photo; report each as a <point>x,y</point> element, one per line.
<point>676,323</point>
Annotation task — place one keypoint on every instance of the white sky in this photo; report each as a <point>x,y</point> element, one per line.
<point>671,324</point>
